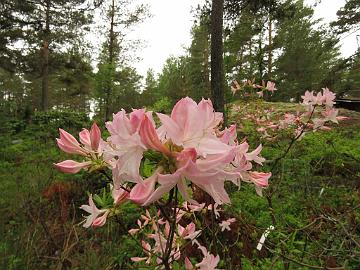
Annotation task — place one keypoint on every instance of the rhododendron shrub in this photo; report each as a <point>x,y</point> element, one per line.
<point>315,112</point>
<point>162,165</point>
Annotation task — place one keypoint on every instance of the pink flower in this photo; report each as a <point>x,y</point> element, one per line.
<point>94,212</point>
<point>209,261</point>
<point>150,138</point>
<point>188,264</point>
<point>206,174</point>
<point>270,86</point>
<point>141,192</point>
<point>328,97</point>
<point>309,98</point>
<point>331,115</point>
<point>229,135</point>
<point>225,224</point>
<point>260,94</point>
<point>260,179</point>
<point>91,140</point>
<point>100,221</point>
<point>69,144</point>
<point>71,166</point>
<point>125,146</point>
<point>119,195</point>
<point>254,155</point>
<point>193,125</point>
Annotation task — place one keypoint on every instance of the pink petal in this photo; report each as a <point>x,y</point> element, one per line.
<point>138,259</point>
<point>71,166</point>
<point>69,148</point>
<point>141,192</point>
<point>100,221</point>
<point>172,129</point>
<point>188,264</point>
<point>150,138</point>
<point>85,137</point>
<point>95,136</point>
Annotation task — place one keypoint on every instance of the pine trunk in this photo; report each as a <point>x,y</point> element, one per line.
<point>270,49</point>
<point>45,61</point>
<point>217,72</point>
<point>111,60</point>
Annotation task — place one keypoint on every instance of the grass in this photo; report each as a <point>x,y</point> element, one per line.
<point>319,185</point>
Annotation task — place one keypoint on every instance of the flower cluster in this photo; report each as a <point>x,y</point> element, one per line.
<point>155,231</point>
<point>315,111</point>
<point>187,151</point>
<point>269,86</point>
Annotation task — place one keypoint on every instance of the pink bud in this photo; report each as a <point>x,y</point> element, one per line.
<point>71,166</point>
<point>95,135</point>
<point>68,143</point>
<point>150,138</point>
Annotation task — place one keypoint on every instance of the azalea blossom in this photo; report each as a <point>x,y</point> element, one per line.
<point>225,224</point>
<point>93,219</point>
<point>209,261</point>
<point>89,147</point>
<point>270,86</point>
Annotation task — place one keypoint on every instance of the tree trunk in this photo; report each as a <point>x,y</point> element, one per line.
<point>217,72</point>
<point>111,61</point>
<point>206,71</point>
<point>45,61</point>
<point>270,49</point>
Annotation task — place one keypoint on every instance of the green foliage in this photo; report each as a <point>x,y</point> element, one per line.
<point>162,105</point>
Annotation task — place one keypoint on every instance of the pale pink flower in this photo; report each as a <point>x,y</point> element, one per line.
<point>150,138</point>
<point>141,192</point>
<point>328,97</point>
<point>260,94</point>
<point>309,98</point>
<point>71,166</point>
<point>209,261</point>
<point>119,195</point>
<point>270,86</point>
<point>94,212</point>
<point>206,174</point>
<point>228,136</point>
<point>225,224</point>
<point>69,144</point>
<point>196,207</point>
<point>146,248</point>
<point>331,115</point>
<point>133,231</point>
<point>126,147</point>
<point>192,125</point>
<point>100,221</point>
<point>216,210</point>
<point>91,139</point>
<point>254,155</point>
<point>188,264</point>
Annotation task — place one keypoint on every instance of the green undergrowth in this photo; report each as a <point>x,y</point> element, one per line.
<point>317,183</point>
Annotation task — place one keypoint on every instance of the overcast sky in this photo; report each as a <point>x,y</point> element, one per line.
<point>168,31</point>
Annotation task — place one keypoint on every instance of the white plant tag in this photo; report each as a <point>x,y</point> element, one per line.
<point>263,237</point>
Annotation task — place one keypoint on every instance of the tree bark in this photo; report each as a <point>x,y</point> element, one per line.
<point>217,72</point>
<point>45,61</point>
<point>111,60</point>
<point>270,49</point>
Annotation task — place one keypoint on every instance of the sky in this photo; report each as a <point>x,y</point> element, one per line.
<point>167,32</point>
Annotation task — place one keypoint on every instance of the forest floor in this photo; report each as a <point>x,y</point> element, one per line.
<point>318,195</point>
